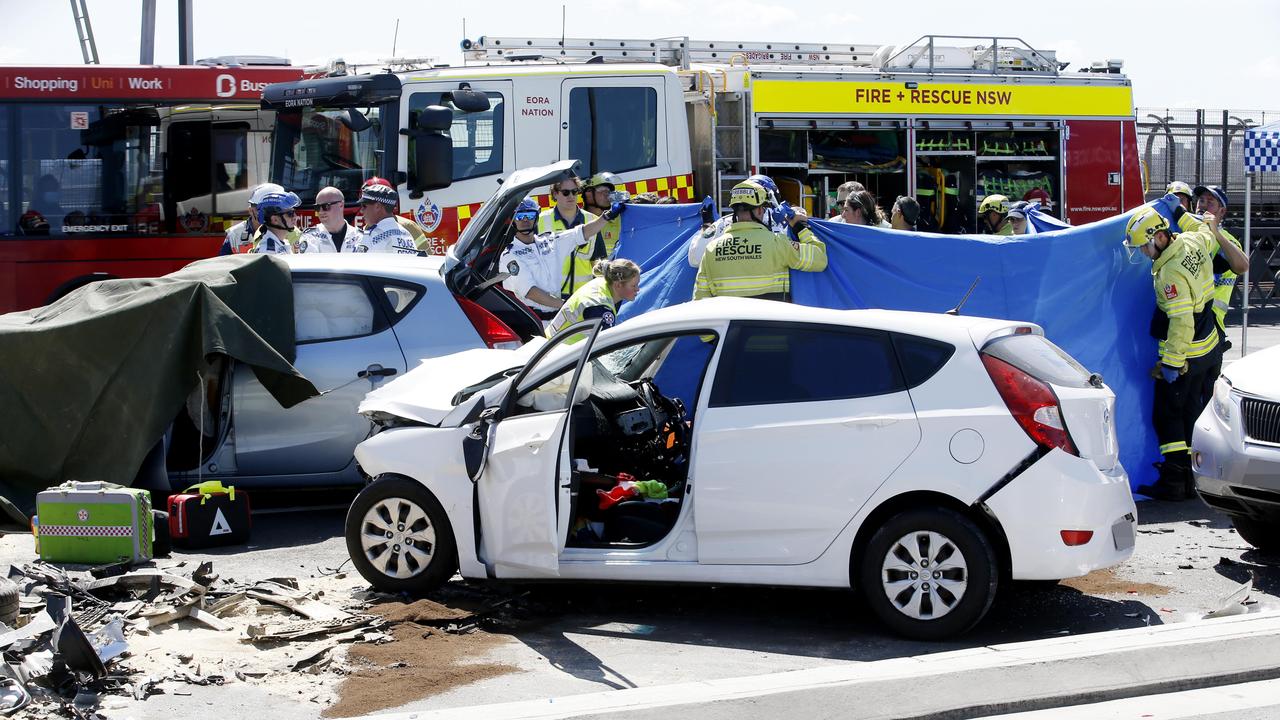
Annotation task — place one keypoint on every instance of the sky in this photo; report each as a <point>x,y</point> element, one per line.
<point>1219,54</point>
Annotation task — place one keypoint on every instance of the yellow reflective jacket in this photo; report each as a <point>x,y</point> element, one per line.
<point>1224,282</point>
<point>1183,281</point>
<point>750,260</point>
<point>578,266</point>
<point>590,301</point>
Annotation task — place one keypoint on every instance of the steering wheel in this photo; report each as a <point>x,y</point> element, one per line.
<point>670,409</point>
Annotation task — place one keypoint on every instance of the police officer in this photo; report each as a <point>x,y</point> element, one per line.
<point>382,232</point>
<point>1229,260</point>
<point>1183,282</point>
<point>775,218</point>
<point>614,281</point>
<point>992,214</point>
<point>277,217</point>
<point>420,239</point>
<point>752,260</point>
<point>534,263</point>
<point>239,237</point>
<point>332,232</point>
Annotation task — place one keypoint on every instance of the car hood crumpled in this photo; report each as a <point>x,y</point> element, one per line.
<point>1255,373</point>
<point>425,394</point>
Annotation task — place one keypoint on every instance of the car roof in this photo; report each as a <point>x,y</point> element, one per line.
<point>715,310</point>
<point>407,267</point>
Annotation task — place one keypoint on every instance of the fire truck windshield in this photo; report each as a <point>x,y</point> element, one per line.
<point>316,147</point>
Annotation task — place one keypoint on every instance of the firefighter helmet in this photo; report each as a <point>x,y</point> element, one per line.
<point>749,193</point>
<point>994,203</point>
<point>1142,228</point>
<point>602,178</point>
<point>1177,187</point>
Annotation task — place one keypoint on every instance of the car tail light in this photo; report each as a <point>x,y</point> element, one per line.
<point>493,331</point>
<point>1072,538</point>
<point>1032,403</point>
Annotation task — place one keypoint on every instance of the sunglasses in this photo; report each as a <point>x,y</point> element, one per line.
<point>327,205</point>
<point>526,216</point>
<point>568,193</point>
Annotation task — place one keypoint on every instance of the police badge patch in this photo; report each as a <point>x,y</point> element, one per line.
<point>607,319</point>
<point>513,267</point>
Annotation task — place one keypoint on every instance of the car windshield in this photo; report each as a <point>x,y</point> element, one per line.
<point>316,147</point>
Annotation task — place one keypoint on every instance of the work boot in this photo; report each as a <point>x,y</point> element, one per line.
<point>1175,483</point>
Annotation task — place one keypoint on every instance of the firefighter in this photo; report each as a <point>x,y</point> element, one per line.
<point>1229,261</point>
<point>1183,282</point>
<point>775,217</point>
<point>752,260</point>
<point>614,281</point>
<point>239,237</point>
<point>597,197</point>
<point>277,218</point>
<point>382,229</point>
<point>534,263</point>
<point>1182,191</point>
<point>993,214</point>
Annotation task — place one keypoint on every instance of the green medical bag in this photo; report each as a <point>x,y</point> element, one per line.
<point>94,522</point>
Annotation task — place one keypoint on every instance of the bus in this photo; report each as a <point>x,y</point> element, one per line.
<point>130,171</point>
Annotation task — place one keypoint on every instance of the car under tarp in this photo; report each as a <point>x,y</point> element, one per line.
<point>89,383</point>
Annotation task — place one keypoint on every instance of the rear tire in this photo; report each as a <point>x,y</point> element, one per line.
<point>929,574</point>
<point>9,602</point>
<point>399,537</point>
<point>1259,533</point>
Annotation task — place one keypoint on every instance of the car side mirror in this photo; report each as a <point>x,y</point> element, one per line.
<point>468,100</point>
<point>355,120</point>
<point>432,150</point>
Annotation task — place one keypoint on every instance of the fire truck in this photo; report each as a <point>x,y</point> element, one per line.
<point>946,123</point>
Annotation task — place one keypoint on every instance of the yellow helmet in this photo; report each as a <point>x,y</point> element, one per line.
<point>1142,228</point>
<point>1178,187</point>
<point>998,203</point>
<point>748,193</point>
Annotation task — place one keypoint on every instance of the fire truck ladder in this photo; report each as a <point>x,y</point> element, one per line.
<point>88,48</point>
<point>1001,55</point>
<point>678,51</point>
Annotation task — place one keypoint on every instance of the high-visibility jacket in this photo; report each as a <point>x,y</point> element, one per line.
<point>415,231</point>
<point>750,260</point>
<point>577,267</point>
<point>1183,281</point>
<point>590,301</point>
<point>698,244</point>
<point>1224,280</point>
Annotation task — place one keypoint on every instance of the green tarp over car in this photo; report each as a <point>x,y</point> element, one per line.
<point>89,383</point>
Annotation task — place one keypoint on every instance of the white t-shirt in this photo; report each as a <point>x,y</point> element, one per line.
<point>387,237</point>
<point>539,264</point>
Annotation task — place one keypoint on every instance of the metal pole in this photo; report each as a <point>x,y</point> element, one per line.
<point>1199,148</point>
<point>1244,315</point>
<point>1226,143</point>
<point>186,38</point>
<point>147,50</point>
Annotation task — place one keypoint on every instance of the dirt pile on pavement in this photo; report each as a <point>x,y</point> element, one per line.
<point>1105,582</point>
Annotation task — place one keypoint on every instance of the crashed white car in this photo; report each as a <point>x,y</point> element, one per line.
<point>923,459</point>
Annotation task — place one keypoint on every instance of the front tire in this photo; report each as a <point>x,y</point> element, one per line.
<point>399,537</point>
<point>1258,533</point>
<point>929,574</point>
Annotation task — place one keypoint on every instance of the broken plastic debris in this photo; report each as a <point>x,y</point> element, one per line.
<point>1233,602</point>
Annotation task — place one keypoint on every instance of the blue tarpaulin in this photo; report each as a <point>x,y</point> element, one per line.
<point>1075,282</point>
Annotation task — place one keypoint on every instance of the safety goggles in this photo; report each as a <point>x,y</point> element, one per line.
<point>326,205</point>
<point>526,215</point>
<point>1136,255</point>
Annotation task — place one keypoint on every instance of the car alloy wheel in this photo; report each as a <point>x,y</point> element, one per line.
<point>399,537</point>
<point>928,573</point>
<point>924,575</point>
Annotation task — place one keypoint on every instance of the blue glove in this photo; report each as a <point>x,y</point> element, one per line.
<point>708,210</point>
<point>1169,203</point>
<point>1170,374</point>
<point>615,210</point>
<point>785,211</point>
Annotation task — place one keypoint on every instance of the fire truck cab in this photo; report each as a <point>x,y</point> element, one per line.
<point>948,124</point>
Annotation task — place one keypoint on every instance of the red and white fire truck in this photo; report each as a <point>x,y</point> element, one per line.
<point>948,124</point>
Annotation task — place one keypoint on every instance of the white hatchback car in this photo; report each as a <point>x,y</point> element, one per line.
<point>923,458</point>
<point>1236,448</point>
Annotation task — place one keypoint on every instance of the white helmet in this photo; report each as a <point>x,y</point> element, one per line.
<point>264,190</point>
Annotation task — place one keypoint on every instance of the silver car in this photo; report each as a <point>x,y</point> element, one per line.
<point>1235,449</point>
